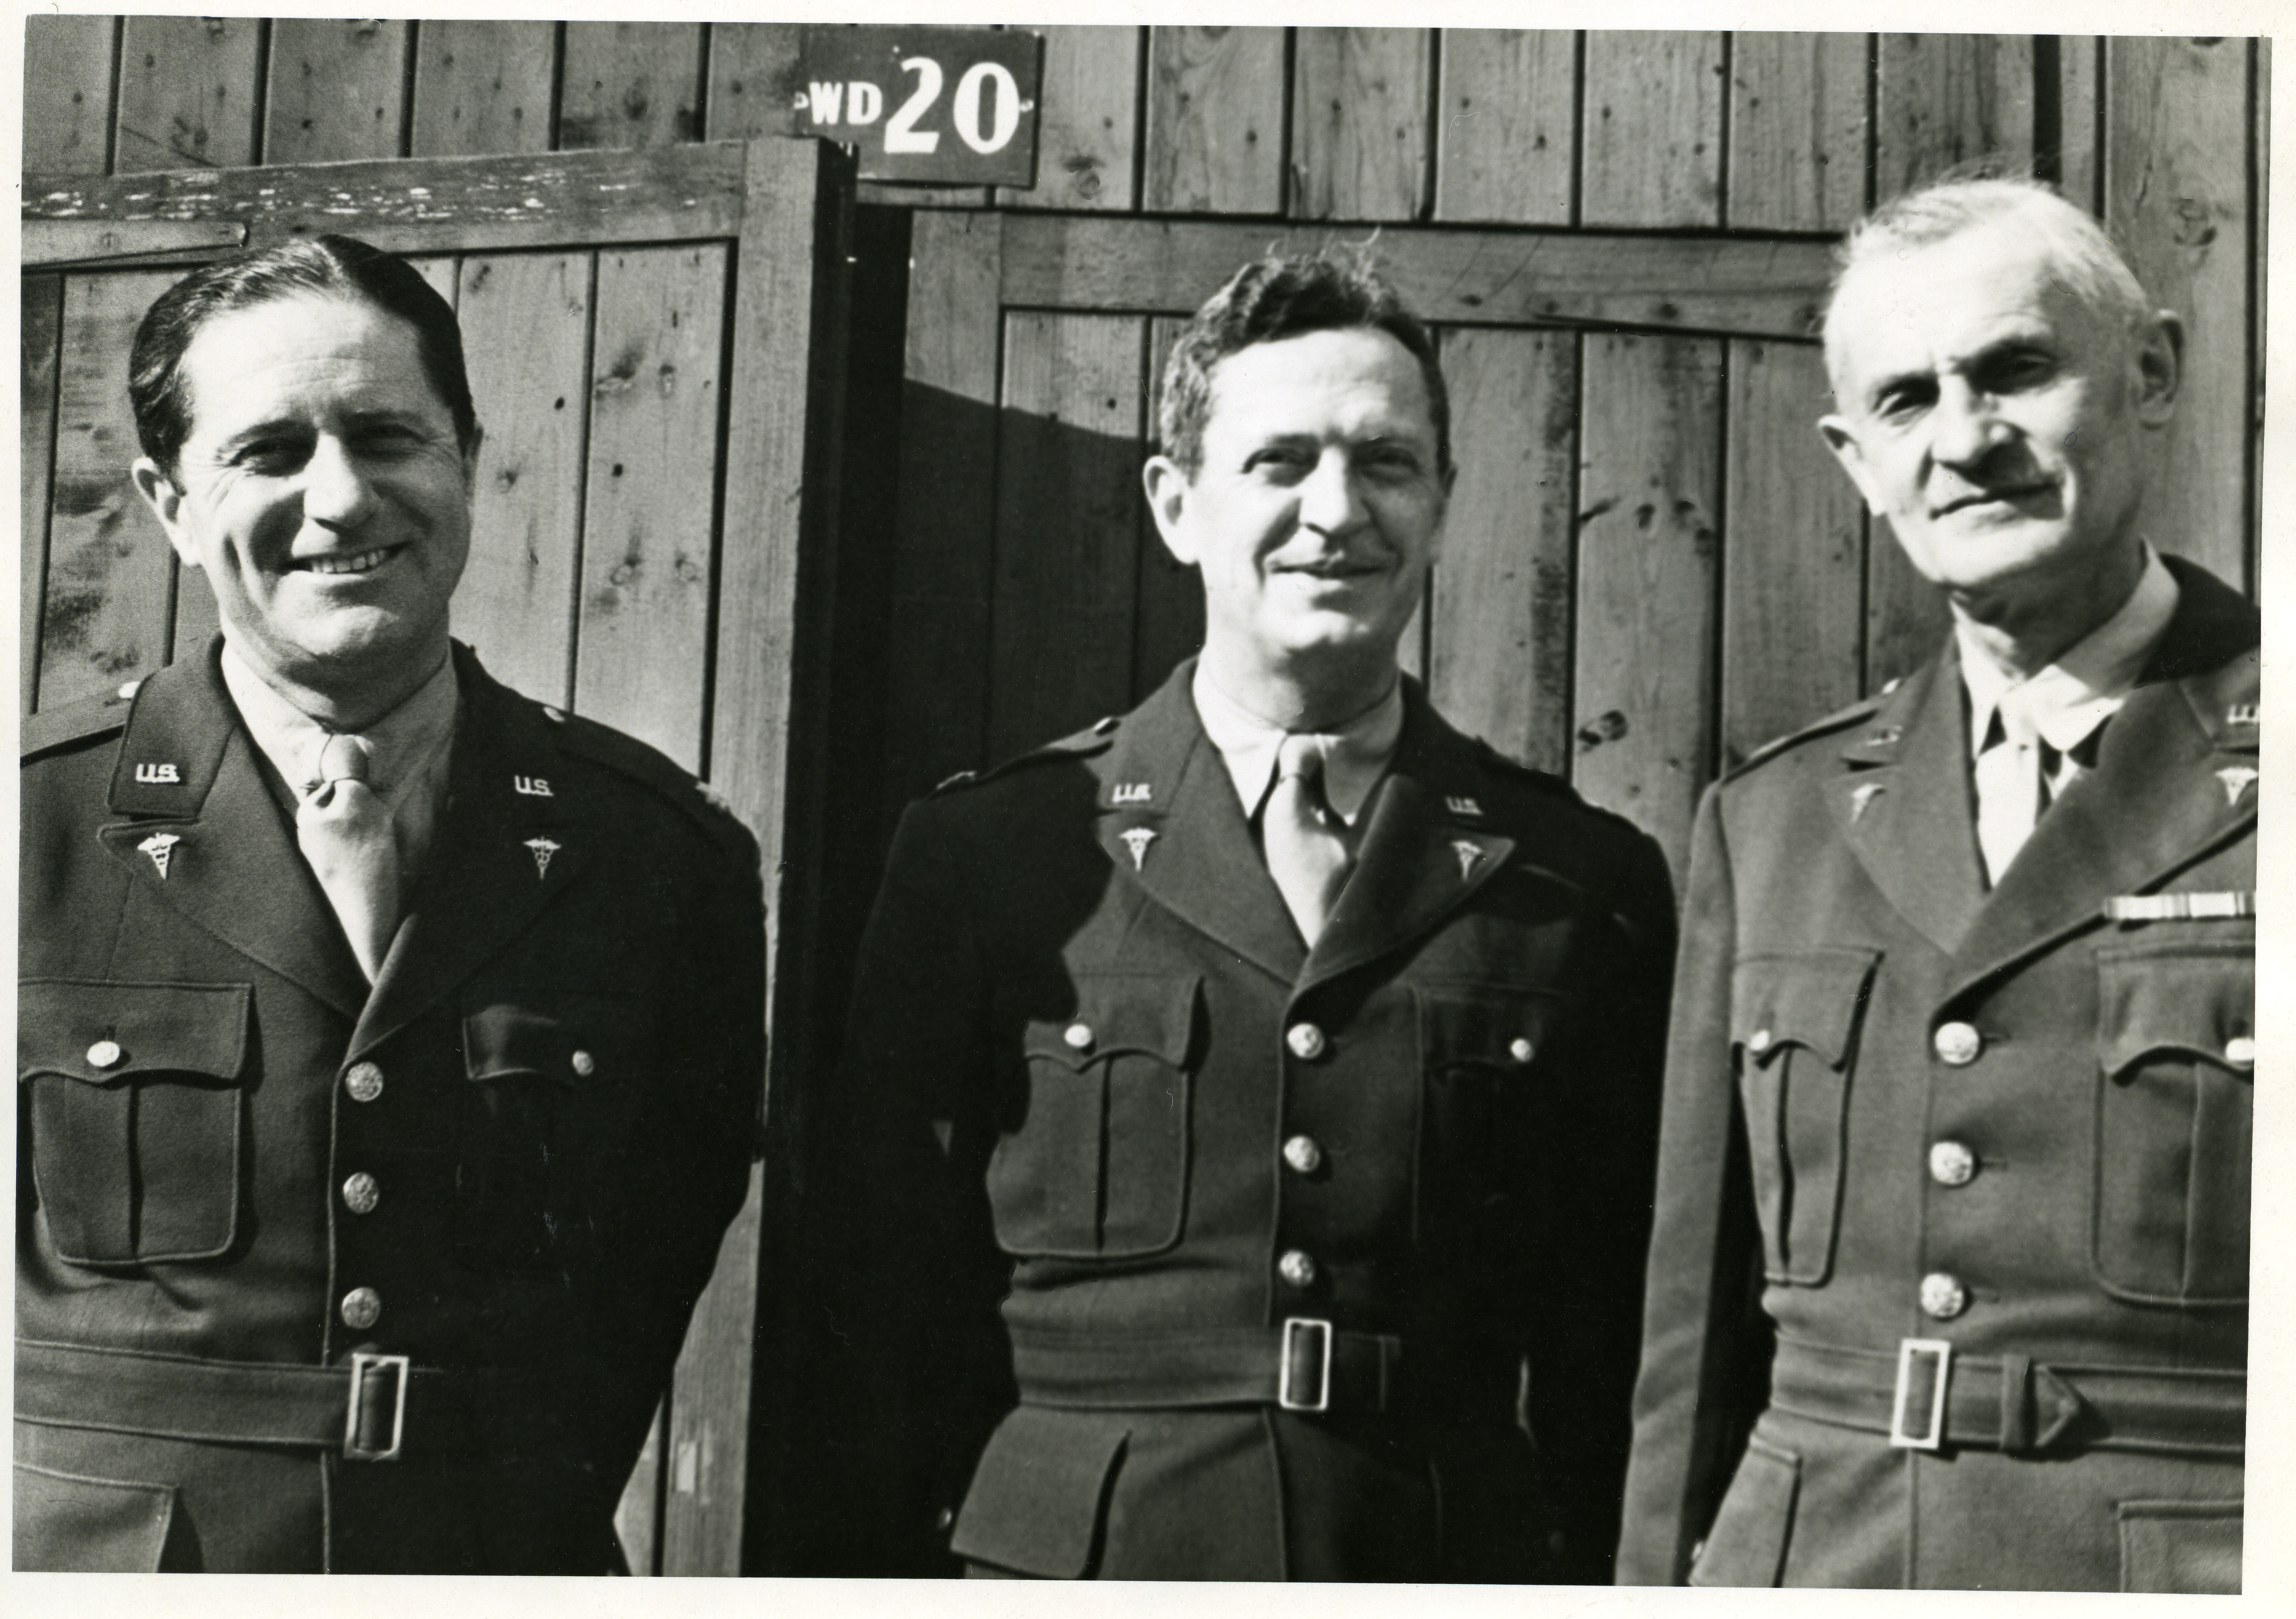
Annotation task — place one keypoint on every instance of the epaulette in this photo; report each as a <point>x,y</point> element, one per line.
<point>649,767</point>
<point>1083,744</point>
<point>75,722</point>
<point>1863,709</point>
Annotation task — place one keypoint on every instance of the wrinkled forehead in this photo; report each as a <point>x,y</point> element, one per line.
<point>1311,380</point>
<point>312,340</point>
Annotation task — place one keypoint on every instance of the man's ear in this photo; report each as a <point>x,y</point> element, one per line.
<point>158,490</point>
<point>1168,489</point>
<point>2159,367</point>
<point>1842,437</point>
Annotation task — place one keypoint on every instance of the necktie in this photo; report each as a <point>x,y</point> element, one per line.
<point>345,831</point>
<point>2010,794</point>
<point>1307,856</point>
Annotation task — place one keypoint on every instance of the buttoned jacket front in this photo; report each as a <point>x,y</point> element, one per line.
<point>2010,1129</point>
<point>1094,1075</point>
<point>509,1163</point>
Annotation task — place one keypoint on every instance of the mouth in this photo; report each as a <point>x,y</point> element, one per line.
<point>1335,569</point>
<point>1988,497</point>
<point>338,566</point>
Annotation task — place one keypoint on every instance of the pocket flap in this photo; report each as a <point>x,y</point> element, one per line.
<point>1150,1014</point>
<point>2192,1547</point>
<point>66,1524</point>
<point>2196,999</point>
<point>1037,1495</point>
<point>507,1039</point>
<point>1811,999</point>
<point>1493,1025</point>
<point>63,1025</point>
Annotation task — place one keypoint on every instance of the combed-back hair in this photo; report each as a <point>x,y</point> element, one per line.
<point>336,266</point>
<point>1337,288</point>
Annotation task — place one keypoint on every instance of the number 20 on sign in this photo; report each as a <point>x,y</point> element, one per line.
<point>953,106</point>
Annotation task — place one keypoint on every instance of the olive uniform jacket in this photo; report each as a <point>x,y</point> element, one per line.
<point>1954,1183</point>
<point>310,1278</point>
<point>1275,1231</point>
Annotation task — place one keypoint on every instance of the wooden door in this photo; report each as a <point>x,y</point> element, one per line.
<point>656,346</point>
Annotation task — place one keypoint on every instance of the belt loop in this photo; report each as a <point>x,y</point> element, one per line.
<point>2016,1405</point>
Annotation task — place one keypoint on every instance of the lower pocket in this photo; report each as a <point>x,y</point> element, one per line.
<point>2181,1546</point>
<point>68,1524</point>
<point>1041,1492</point>
<point>1747,1545</point>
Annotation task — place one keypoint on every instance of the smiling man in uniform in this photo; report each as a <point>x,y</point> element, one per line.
<point>1282,1062</point>
<point>1963,1050</point>
<point>387,1043</point>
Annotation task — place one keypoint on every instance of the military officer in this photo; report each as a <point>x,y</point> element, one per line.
<point>387,1043</point>
<point>1953,1184</point>
<point>1282,1061</point>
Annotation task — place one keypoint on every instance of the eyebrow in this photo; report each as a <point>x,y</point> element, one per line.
<point>2000,348</point>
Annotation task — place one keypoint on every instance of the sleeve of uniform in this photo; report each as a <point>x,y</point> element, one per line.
<point>1582,1373</point>
<point>908,1370</point>
<point>1705,1345</point>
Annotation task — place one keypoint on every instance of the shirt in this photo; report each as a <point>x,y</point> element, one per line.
<point>1355,756</point>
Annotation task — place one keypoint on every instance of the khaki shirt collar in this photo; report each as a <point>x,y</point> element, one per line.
<point>2065,703</point>
<point>1355,756</point>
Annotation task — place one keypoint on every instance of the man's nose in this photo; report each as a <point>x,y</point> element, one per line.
<point>1966,427</point>
<point>1331,501</point>
<point>336,490</point>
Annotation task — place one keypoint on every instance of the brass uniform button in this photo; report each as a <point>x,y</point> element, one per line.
<point>1951,1164</point>
<point>1079,1037</point>
<point>1758,1041</point>
<point>362,1308</point>
<point>105,1054</point>
<point>1943,1297</point>
<point>1958,1044</point>
<point>1297,1268</point>
<point>1307,1041</point>
<point>2240,1051</point>
<point>1301,1153</point>
<point>363,1080</point>
<point>1522,1050</point>
<point>361,1193</point>
<point>585,1064</point>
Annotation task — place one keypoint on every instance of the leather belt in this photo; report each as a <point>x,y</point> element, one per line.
<point>376,1408</point>
<point>1304,1365</point>
<point>1927,1395</point>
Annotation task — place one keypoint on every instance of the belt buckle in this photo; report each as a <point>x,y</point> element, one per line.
<point>364,1365</point>
<point>1294,1328</point>
<point>1907,1348</point>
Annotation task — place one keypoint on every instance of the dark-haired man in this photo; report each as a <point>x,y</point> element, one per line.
<point>1282,1060</point>
<point>387,1043</point>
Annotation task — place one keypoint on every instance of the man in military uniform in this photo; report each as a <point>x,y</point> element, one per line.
<point>1285,1062</point>
<point>1953,1185</point>
<point>388,1043</point>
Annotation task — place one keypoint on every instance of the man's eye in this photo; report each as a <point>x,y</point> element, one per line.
<point>1276,459</point>
<point>1391,463</point>
<point>1899,403</point>
<point>267,455</point>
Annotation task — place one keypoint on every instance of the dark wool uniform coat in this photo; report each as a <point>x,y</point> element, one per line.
<point>516,1153</point>
<point>2010,1126</point>
<point>1093,1074</point>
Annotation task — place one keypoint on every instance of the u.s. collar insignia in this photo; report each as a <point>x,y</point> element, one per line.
<point>159,845</point>
<point>1884,736</point>
<point>2240,714</point>
<point>533,787</point>
<point>1470,854</point>
<point>1132,792</point>
<point>150,775</point>
<point>2237,778</point>
<point>1138,840</point>
<point>1464,807</point>
<point>543,849</point>
<point>1862,796</point>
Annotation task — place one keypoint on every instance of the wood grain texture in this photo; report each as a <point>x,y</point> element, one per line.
<point>1649,516</point>
<point>1943,99</point>
<point>526,332</point>
<point>2080,84</point>
<point>42,314</point>
<point>1359,135</point>
<point>648,492</point>
<point>1168,619</point>
<point>1798,126</point>
<point>482,87</point>
<point>1067,516</point>
<point>67,84</point>
<point>1507,149</point>
<point>630,84</point>
<point>337,91</point>
<point>635,1525</point>
<point>187,93</point>
<point>1906,619</point>
<point>2176,188</point>
<point>1795,556</point>
<point>1215,138</point>
<point>1500,610</point>
<point>752,79</point>
<point>1741,287</point>
<point>1088,122</point>
<point>104,618</point>
<point>1653,129</point>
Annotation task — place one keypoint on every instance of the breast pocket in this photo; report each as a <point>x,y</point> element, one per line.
<point>1479,1048</point>
<point>1794,1030</point>
<point>1096,1166</point>
<point>135,1114</point>
<point>2175,1103</point>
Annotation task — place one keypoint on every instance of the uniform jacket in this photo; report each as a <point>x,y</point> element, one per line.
<point>1094,1075</point>
<point>2013,1123</point>
<point>523,1143</point>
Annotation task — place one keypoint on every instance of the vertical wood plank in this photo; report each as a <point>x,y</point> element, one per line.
<point>526,330</point>
<point>482,87</point>
<point>1359,135</point>
<point>1088,122</point>
<point>1068,514</point>
<point>1798,123</point>
<point>1794,558</point>
<point>2260,281</point>
<point>1906,619</point>
<point>630,84</point>
<point>105,616</point>
<point>1169,625</point>
<point>1500,611</point>
<point>36,421</point>
<point>1649,505</point>
<point>338,90</point>
<point>648,493</point>
<point>635,1525</point>
<point>68,85</point>
<point>1215,134</point>
<point>1653,129</point>
<point>1508,150</point>
<point>2177,198</point>
<point>1943,99</point>
<point>752,79</point>
<point>937,700</point>
<point>2080,59</point>
<point>187,93</point>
